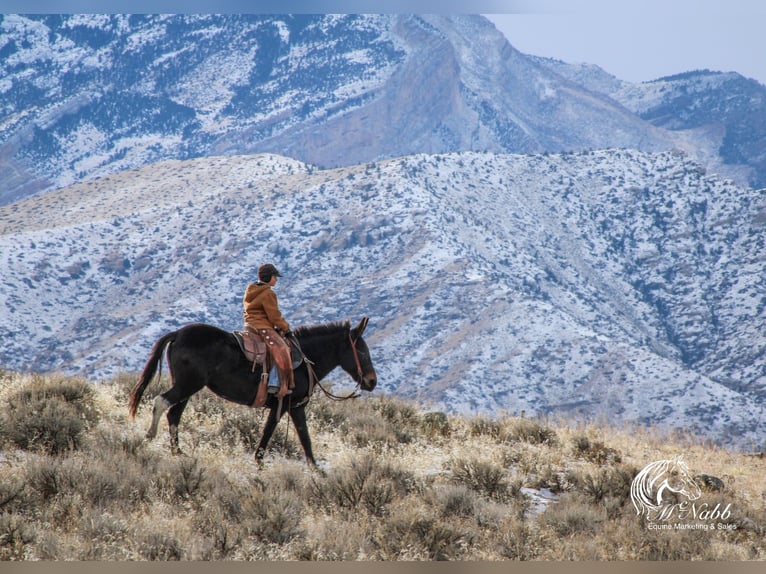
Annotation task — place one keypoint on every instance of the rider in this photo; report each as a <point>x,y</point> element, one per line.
<point>262,315</point>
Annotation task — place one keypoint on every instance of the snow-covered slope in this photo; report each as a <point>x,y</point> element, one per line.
<point>617,284</point>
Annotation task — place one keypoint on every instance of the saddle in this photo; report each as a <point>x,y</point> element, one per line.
<point>256,350</point>
<point>252,346</point>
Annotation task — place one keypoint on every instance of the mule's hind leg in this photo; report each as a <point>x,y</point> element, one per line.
<point>166,400</point>
<point>174,417</point>
<point>268,430</point>
<point>161,404</point>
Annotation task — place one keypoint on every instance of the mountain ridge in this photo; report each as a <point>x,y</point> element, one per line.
<point>87,95</point>
<point>613,284</point>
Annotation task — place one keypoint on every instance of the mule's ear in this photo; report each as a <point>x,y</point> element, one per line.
<point>359,329</point>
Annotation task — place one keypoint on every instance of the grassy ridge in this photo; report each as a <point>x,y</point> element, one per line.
<point>77,481</point>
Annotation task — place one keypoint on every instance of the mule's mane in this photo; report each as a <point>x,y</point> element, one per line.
<point>322,330</point>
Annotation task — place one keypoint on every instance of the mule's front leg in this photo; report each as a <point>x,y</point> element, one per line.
<point>299,420</point>
<point>268,430</point>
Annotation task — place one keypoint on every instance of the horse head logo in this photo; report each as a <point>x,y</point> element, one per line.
<point>660,486</point>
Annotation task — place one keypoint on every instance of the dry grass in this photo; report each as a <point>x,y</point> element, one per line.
<point>78,482</point>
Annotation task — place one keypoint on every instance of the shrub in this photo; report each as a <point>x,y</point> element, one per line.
<point>533,432</point>
<point>241,426</point>
<point>181,478</point>
<point>103,480</point>
<point>116,497</point>
<point>107,441</point>
<point>326,414</point>
<point>365,428</point>
<point>455,500</point>
<point>160,546</point>
<point>288,478</point>
<point>611,483</point>
<point>53,427</point>
<point>573,515</point>
<point>679,545</point>
<point>485,478</point>
<point>103,535</point>
<point>483,426</point>
<point>411,533</point>
<point>50,416</point>
<point>45,477</point>
<point>435,424</point>
<point>12,493</point>
<point>595,451</point>
<point>368,429</point>
<point>272,515</point>
<point>15,536</point>
<point>224,537</point>
<point>365,484</point>
<point>516,540</point>
<point>335,539</point>
<point>400,414</point>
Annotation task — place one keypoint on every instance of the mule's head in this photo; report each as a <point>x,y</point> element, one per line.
<point>355,358</point>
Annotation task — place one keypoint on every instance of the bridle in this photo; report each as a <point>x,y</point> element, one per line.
<point>359,373</point>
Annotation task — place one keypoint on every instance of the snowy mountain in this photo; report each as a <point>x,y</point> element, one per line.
<point>614,285</point>
<point>717,117</point>
<point>83,96</point>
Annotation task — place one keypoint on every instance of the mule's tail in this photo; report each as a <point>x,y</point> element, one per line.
<point>155,360</point>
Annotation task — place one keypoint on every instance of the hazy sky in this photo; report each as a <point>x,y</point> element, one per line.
<point>642,40</point>
<point>635,40</point>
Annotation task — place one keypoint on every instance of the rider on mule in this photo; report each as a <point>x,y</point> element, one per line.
<point>262,316</point>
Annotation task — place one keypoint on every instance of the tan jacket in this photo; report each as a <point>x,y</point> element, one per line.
<point>261,309</point>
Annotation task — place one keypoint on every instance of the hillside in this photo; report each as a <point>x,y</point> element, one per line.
<point>396,483</point>
<point>612,285</point>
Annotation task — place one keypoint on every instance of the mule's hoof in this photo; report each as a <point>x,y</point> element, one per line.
<point>320,468</point>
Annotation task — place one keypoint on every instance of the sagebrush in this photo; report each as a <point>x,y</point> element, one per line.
<point>79,482</point>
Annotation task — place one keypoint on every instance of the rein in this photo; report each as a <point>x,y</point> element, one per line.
<point>354,394</point>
